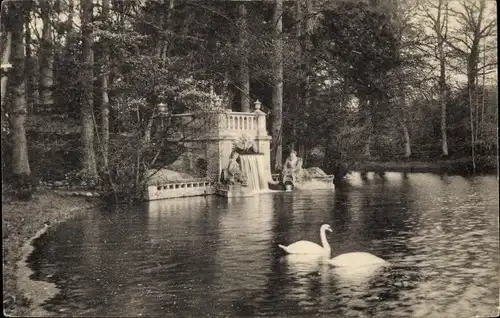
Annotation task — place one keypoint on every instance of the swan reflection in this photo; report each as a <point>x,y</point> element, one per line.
<point>308,279</point>
<point>303,264</point>
<point>357,276</point>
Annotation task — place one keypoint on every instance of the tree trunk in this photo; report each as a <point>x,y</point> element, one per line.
<point>277,95</point>
<point>440,28</point>
<point>225,90</point>
<point>244,72</point>
<point>473,141</point>
<point>299,94</point>
<point>69,21</point>
<point>29,64</point>
<point>443,98</point>
<point>406,136</point>
<point>87,106</point>
<point>368,123</point>
<point>20,163</point>
<point>307,53</point>
<point>105,117</point>
<point>46,57</point>
<point>302,151</point>
<point>368,147</point>
<point>6,50</point>
<point>104,92</point>
<point>443,101</point>
<point>483,93</point>
<point>328,153</point>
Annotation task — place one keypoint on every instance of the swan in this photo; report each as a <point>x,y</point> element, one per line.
<point>306,247</point>
<point>356,259</point>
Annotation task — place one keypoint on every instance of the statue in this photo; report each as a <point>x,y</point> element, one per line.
<point>292,169</point>
<point>233,174</point>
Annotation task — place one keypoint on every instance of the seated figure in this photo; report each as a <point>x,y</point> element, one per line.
<point>233,172</point>
<point>292,168</point>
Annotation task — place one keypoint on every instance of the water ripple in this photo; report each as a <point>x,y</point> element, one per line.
<point>197,257</point>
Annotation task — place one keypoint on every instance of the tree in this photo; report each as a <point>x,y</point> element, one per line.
<point>19,147</point>
<point>87,103</point>
<point>6,51</point>
<point>304,31</point>
<point>30,64</point>
<point>437,16</point>
<point>407,79</point>
<point>298,95</point>
<point>476,25</point>
<point>244,71</point>
<point>106,69</point>
<point>359,43</point>
<point>46,56</point>
<point>277,95</point>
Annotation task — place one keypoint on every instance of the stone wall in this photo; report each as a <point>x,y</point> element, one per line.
<point>209,140</point>
<point>193,161</point>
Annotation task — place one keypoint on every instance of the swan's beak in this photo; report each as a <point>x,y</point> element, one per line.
<point>329,229</point>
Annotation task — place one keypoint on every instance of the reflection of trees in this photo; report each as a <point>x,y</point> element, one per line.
<point>242,259</point>
<point>54,254</point>
<point>187,236</point>
<point>387,215</point>
<point>293,285</point>
<point>386,208</point>
<point>131,262</point>
<point>340,210</point>
<point>86,257</point>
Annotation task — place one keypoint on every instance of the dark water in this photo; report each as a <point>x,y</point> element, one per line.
<point>201,256</point>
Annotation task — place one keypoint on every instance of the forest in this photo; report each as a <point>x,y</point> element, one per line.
<point>343,82</point>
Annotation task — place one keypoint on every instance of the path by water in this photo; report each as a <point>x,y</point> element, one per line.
<point>204,256</point>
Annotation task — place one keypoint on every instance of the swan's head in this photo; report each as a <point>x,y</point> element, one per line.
<point>326,227</point>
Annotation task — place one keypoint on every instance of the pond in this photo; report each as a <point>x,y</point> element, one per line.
<point>207,256</point>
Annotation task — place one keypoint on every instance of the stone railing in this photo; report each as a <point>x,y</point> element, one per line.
<point>177,189</point>
<point>221,123</point>
<point>241,122</point>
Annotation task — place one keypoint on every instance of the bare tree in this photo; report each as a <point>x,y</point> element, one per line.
<point>436,15</point>
<point>476,25</point>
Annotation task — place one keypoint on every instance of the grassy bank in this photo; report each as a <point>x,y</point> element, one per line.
<point>462,166</point>
<point>20,222</point>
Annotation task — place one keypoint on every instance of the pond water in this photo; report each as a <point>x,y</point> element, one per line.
<point>207,256</point>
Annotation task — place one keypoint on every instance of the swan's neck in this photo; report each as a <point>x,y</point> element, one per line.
<point>324,242</point>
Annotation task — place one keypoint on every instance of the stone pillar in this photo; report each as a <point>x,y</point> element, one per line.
<point>261,119</point>
<point>262,138</point>
<point>219,145</point>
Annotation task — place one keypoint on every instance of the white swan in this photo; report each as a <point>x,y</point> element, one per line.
<point>306,247</point>
<point>356,259</point>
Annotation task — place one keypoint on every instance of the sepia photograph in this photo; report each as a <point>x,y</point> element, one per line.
<point>250,158</point>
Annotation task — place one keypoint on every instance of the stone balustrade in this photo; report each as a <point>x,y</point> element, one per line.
<point>177,189</point>
<point>242,122</point>
<point>228,123</point>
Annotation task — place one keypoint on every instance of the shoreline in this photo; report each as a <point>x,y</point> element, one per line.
<point>22,223</point>
<point>459,166</point>
<point>36,291</point>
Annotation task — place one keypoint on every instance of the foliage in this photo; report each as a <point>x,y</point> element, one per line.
<point>367,62</point>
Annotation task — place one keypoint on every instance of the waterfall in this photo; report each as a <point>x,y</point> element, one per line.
<point>253,167</point>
